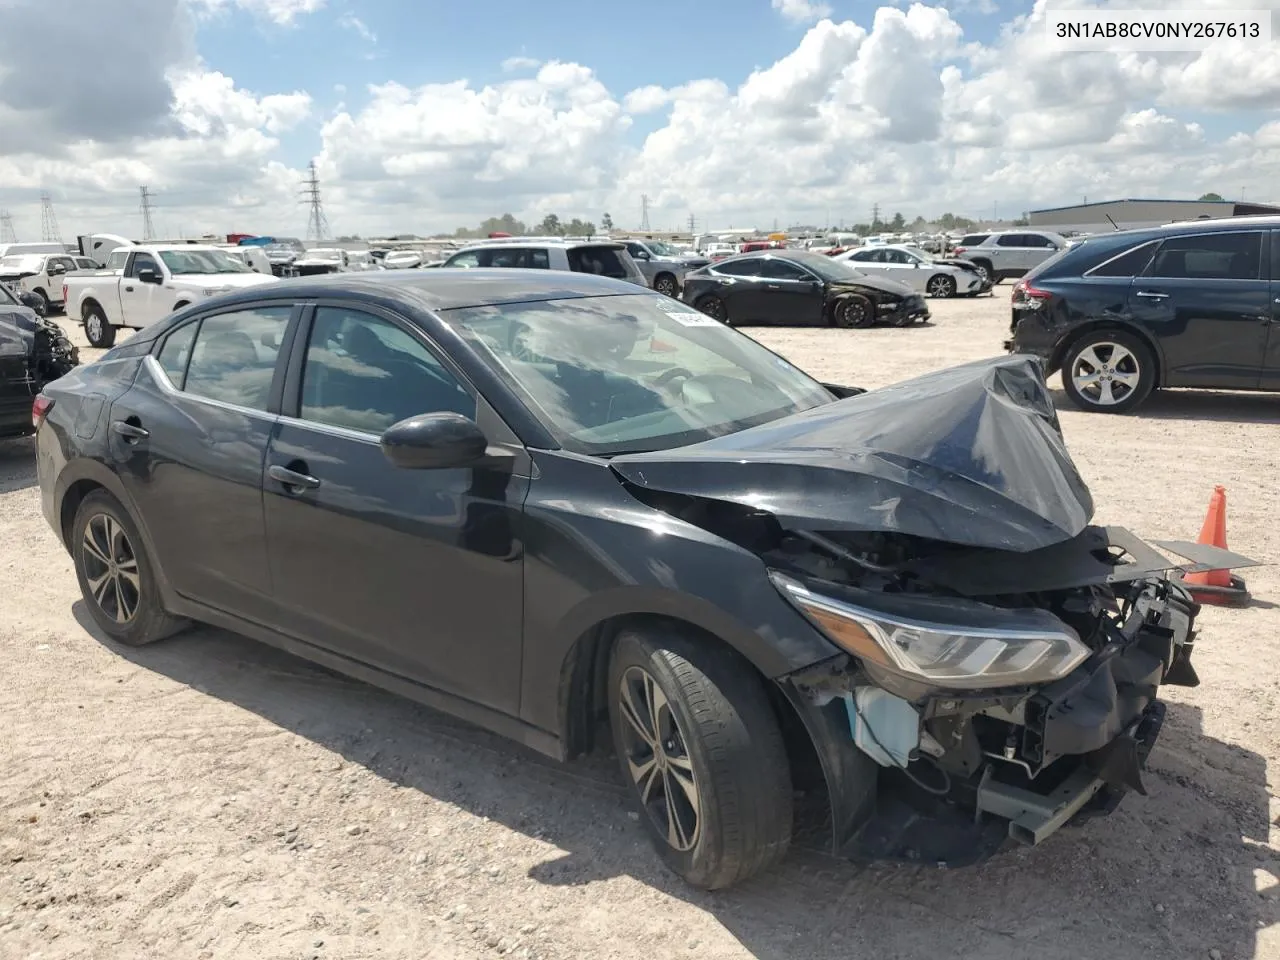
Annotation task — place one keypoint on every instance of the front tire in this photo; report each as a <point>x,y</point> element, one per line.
<point>97,330</point>
<point>714,307</point>
<point>45,307</point>
<point>115,573</point>
<point>986,271</point>
<point>700,747</point>
<point>854,312</point>
<point>941,286</point>
<point>1108,371</point>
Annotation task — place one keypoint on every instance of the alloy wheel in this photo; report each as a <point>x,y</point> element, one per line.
<point>1105,373</point>
<point>93,327</point>
<point>658,759</point>
<point>714,307</point>
<point>111,568</point>
<point>940,286</point>
<point>665,286</point>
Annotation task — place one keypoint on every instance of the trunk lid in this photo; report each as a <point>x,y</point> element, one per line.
<point>971,455</point>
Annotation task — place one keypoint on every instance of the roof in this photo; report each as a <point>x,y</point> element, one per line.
<point>541,242</point>
<point>443,288</point>
<point>1107,203</point>
<point>1215,225</point>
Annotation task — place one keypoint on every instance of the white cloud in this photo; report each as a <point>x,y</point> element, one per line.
<point>802,11</point>
<point>896,107</point>
<point>349,21</point>
<point>281,12</point>
<point>512,64</point>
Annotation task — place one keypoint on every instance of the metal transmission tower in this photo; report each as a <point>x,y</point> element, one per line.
<point>49,231</point>
<point>148,228</point>
<point>317,223</point>
<point>693,224</point>
<point>7,234</point>
<point>644,211</point>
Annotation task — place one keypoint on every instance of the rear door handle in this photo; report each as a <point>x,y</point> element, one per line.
<point>772,286</point>
<point>129,289</point>
<point>130,432</point>
<point>291,478</point>
<point>1152,295</point>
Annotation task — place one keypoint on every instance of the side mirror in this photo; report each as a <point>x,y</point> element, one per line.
<point>148,276</point>
<point>434,441</point>
<point>640,255</point>
<point>56,270</point>
<point>916,264</point>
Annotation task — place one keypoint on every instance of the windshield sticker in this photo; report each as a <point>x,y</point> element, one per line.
<point>685,315</point>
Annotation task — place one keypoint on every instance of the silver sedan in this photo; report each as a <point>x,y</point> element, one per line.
<point>919,270</point>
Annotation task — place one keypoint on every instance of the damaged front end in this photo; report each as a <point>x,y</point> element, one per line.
<point>1000,656</point>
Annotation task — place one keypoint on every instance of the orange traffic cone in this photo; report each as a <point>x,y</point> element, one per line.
<point>1216,586</point>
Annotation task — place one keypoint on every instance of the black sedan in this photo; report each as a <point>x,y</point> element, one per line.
<point>799,287</point>
<point>1192,304</point>
<point>639,523</point>
<point>33,352</point>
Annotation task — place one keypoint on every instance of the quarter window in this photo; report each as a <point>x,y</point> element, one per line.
<point>234,356</point>
<point>1209,256</point>
<point>1131,263</point>
<point>176,352</point>
<point>529,259</point>
<point>365,373</point>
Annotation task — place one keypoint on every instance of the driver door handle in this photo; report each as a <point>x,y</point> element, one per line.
<point>291,478</point>
<point>129,289</point>
<point>1152,295</point>
<point>772,286</point>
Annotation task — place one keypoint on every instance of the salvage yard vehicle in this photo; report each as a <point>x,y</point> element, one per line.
<point>155,281</point>
<point>644,525</point>
<point>1193,304</point>
<point>33,352</point>
<point>921,271</point>
<point>663,266</point>
<point>1006,254</point>
<point>608,258</point>
<point>39,274</point>
<point>799,287</point>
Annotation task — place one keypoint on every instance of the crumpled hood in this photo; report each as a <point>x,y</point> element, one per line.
<point>955,262</point>
<point>971,455</point>
<point>880,284</point>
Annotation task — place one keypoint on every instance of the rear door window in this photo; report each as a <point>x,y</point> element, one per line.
<point>775,269</point>
<point>234,357</point>
<point>973,240</point>
<point>751,267</point>
<point>1012,240</point>
<point>1209,256</point>
<point>517,257</point>
<point>599,260</point>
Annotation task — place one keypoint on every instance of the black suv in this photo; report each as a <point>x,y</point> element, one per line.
<point>1192,304</point>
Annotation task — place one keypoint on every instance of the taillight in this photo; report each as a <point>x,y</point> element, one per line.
<point>40,408</point>
<point>958,251</point>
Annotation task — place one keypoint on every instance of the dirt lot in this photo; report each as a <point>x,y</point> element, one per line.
<point>210,798</point>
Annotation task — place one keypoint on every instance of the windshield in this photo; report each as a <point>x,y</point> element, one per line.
<point>7,299</point>
<point>662,249</point>
<point>637,372</point>
<point>918,253</point>
<point>828,269</point>
<point>21,262</point>
<point>202,262</point>
<point>325,254</point>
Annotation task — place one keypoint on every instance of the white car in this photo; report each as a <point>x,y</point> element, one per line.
<point>155,281</point>
<point>402,259</point>
<point>38,273</point>
<point>921,271</point>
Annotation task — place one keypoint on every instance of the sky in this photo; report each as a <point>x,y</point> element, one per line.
<point>425,115</point>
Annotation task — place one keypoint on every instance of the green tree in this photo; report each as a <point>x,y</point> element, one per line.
<point>918,225</point>
<point>898,223</point>
<point>606,223</point>
<point>579,228</point>
<point>1211,198</point>
<point>550,226</point>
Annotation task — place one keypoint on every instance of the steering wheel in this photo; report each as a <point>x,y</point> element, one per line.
<point>669,380</point>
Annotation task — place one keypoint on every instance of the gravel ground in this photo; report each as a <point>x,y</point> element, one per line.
<point>208,797</point>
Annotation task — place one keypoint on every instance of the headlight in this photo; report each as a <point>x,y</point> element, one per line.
<point>992,647</point>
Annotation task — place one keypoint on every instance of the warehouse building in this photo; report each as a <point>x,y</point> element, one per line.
<point>1138,214</point>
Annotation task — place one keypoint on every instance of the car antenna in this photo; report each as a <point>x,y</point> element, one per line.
<point>1113,223</point>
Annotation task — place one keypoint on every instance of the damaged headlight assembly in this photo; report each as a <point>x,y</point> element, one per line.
<point>944,644</point>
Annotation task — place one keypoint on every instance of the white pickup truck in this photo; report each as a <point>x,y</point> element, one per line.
<point>152,283</point>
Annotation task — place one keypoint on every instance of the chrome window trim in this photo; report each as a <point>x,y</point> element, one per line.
<point>1194,234</point>
<point>1124,253</point>
<point>166,386</point>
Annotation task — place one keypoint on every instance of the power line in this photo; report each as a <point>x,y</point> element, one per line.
<point>7,233</point>
<point>644,212</point>
<point>317,222</point>
<point>148,228</point>
<point>693,225</point>
<point>49,231</point>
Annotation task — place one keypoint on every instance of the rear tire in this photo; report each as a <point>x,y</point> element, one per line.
<point>97,330</point>
<point>1108,371</point>
<point>702,727</point>
<point>117,580</point>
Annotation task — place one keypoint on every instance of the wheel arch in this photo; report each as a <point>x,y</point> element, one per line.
<point>1096,326</point>
<point>584,706</point>
<point>91,301</point>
